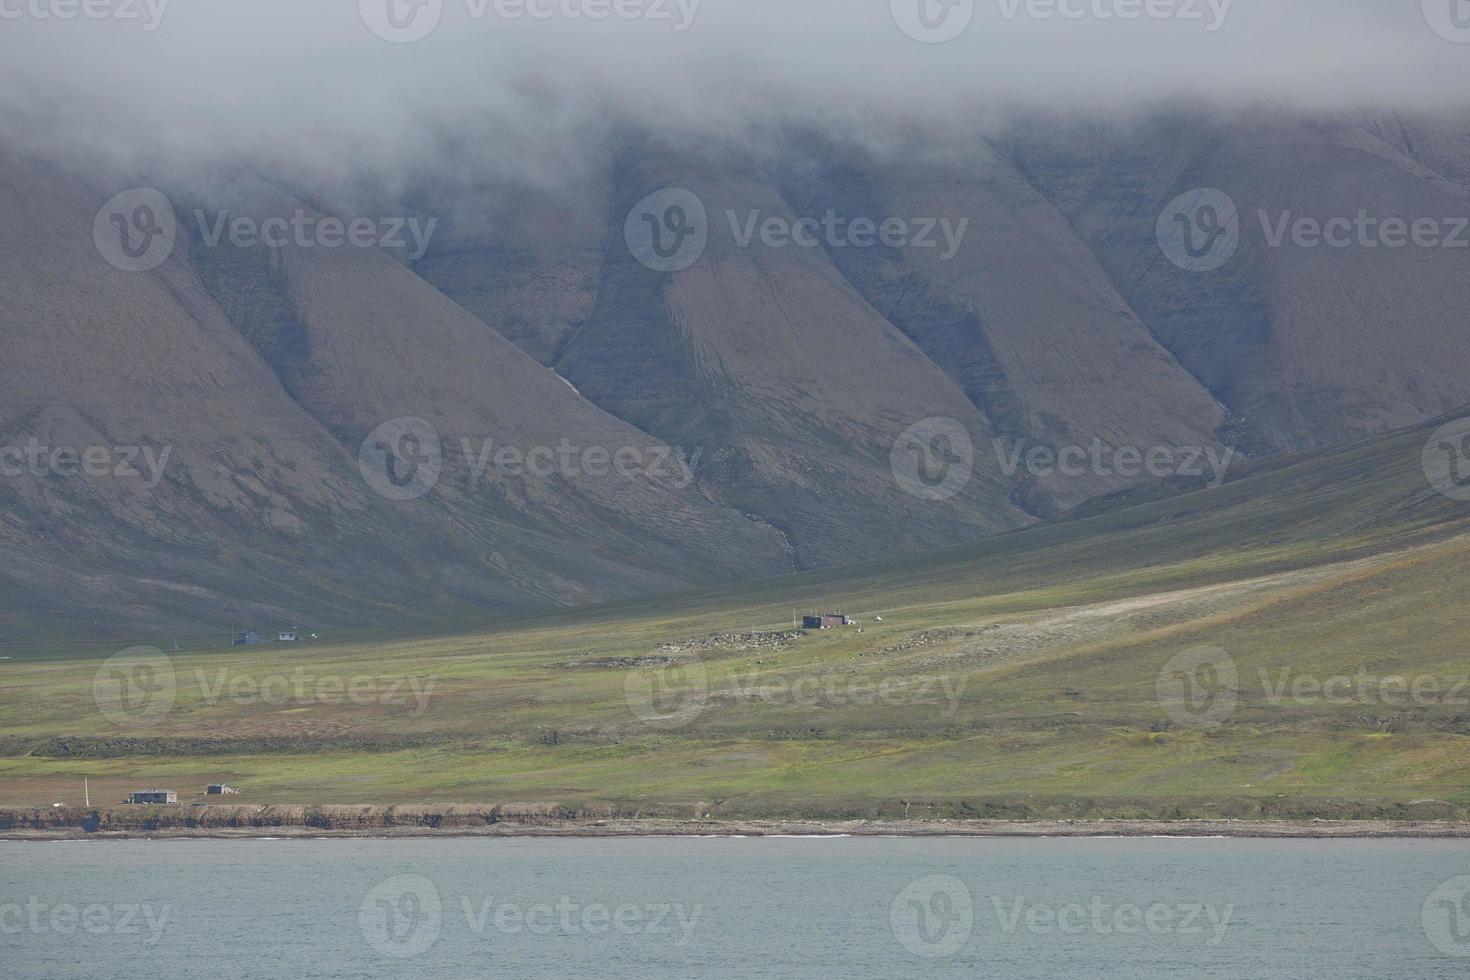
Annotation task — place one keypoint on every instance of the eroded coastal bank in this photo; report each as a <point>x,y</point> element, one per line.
<point>542,820</point>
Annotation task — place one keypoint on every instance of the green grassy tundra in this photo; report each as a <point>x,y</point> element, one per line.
<point>1290,644</point>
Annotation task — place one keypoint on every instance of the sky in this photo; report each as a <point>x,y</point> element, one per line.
<point>320,79</point>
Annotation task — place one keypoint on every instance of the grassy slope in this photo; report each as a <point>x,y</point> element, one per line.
<point>1344,561</point>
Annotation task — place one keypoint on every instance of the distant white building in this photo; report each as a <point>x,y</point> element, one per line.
<point>154,796</point>
<point>287,636</point>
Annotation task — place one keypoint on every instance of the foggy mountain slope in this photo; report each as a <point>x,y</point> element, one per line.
<point>525,260</point>
<point>1440,144</point>
<point>766,352</point>
<point>385,345</point>
<point>123,364</point>
<point>256,511</point>
<point>1307,343</point>
<point>1015,308</point>
<point>1028,314</point>
<point>790,375</point>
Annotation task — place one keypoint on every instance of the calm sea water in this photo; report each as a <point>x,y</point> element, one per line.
<point>722,907</point>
